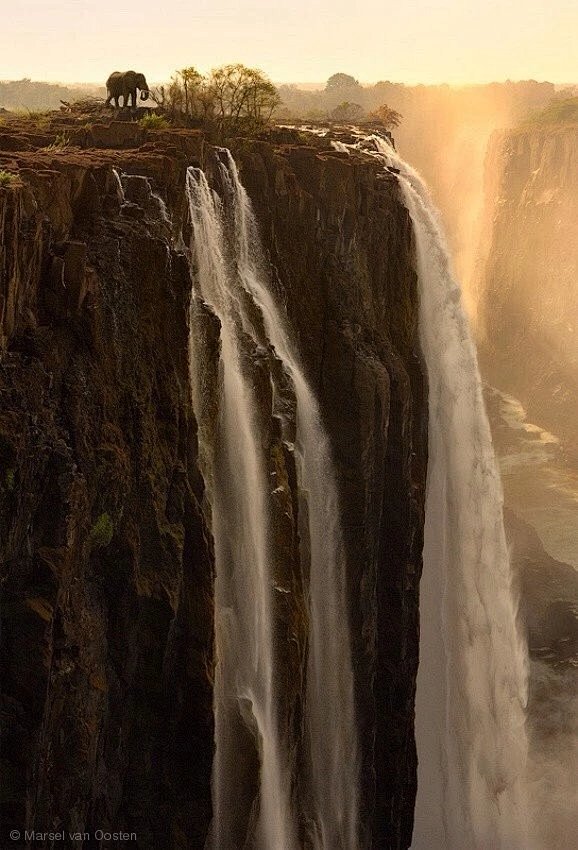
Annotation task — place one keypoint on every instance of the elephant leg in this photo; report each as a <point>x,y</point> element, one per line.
<point>133,95</point>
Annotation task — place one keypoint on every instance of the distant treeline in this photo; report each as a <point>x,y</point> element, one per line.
<point>518,99</point>
<point>511,97</point>
<point>28,94</point>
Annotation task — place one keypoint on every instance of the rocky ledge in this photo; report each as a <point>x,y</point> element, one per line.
<point>105,554</point>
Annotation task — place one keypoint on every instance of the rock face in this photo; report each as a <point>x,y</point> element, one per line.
<point>106,554</point>
<point>528,284</point>
<point>340,247</point>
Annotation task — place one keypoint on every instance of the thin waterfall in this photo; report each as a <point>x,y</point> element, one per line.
<point>472,680</point>
<point>231,278</point>
<point>119,187</point>
<point>244,676</point>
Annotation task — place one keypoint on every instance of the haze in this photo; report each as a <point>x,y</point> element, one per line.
<point>454,41</point>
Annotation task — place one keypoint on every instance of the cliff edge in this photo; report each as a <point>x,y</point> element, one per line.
<point>105,546</point>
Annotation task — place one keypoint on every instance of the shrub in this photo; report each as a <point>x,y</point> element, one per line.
<point>102,531</point>
<point>153,121</point>
<point>7,178</point>
<point>37,114</point>
<point>61,142</point>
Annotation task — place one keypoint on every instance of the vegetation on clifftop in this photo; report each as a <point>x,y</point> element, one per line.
<point>558,111</point>
<point>231,100</point>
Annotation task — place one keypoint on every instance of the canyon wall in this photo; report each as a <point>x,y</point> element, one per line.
<point>106,560</point>
<point>106,548</point>
<point>527,279</point>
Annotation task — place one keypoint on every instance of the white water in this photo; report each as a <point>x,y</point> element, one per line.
<point>230,277</point>
<point>161,207</point>
<point>119,186</point>
<point>472,680</point>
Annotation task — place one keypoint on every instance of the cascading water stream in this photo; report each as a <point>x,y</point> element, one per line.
<point>227,277</point>
<point>472,680</point>
<point>244,676</point>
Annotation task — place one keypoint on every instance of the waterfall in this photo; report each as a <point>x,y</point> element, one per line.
<point>471,688</point>
<point>119,187</point>
<point>230,277</point>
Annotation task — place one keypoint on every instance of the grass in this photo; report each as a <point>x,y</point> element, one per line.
<point>153,121</point>
<point>558,111</point>
<point>37,114</point>
<point>61,142</point>
<point>7,178</point>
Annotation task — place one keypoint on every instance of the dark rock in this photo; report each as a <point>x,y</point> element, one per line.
<point>105,554</point>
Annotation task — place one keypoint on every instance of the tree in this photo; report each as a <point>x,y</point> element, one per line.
<point>387,117</point>
<point>192,84</point>
<point>233,99</point>
<point>241,99</point>
<point>341,81</point>
<point>184,94</point>
<point>347,111</point>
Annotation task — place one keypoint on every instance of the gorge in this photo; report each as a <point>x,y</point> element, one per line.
<point>225,377</point>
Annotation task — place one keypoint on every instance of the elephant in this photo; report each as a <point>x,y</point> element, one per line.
<point>125,84</point>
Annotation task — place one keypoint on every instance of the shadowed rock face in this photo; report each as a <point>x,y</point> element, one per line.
<point>340,247</point>
<point>106,640</point>
<point>106,553</point>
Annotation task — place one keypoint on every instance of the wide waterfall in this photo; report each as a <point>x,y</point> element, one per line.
<point>230,278</point>
<point>471,689</point>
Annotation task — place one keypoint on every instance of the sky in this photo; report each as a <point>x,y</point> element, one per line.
<point>413,41</point>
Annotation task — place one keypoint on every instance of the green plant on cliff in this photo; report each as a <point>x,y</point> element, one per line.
<point>7,178</point>
<point>153,121</point>
<point>10,480</point>
<point>61,142</point>
<point>102,531</point>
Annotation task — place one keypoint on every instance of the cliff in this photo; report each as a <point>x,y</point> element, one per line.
<point>528,279</point>
<point>106,550</point>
